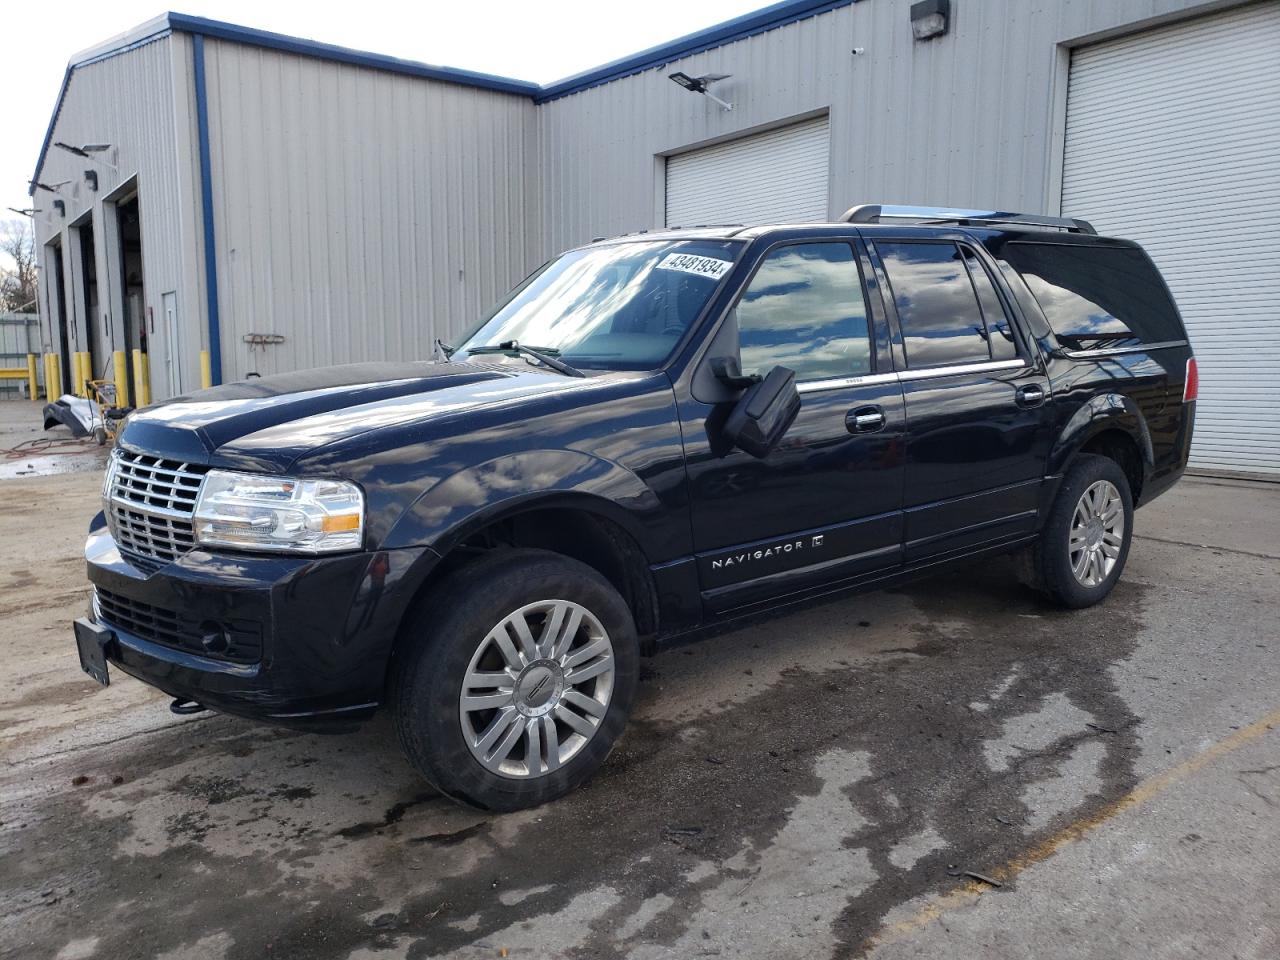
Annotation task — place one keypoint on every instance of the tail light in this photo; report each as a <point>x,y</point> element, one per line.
<point>1191,389</point>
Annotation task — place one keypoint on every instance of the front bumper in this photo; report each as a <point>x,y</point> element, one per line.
<point>303,641</point>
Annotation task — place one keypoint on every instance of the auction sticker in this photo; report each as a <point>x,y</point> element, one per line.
<point>702,266</point>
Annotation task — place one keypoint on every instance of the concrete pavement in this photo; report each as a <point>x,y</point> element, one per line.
<point>810,785</point>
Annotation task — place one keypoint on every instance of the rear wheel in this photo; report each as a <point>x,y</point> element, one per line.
<point>517,683</point>
<point>1085,543</point>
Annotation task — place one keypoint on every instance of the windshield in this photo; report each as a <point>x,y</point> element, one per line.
<point>618,307</point>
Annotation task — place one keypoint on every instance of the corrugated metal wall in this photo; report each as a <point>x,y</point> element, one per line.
<point>968,119</point>
<point>19,336</point>
<point>128,101</point>
<point>359,214</point>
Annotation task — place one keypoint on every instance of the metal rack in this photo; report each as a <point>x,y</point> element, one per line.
<point>882,213</point>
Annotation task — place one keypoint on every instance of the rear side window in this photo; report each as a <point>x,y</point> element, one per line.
<point>804,309</point>
<point>1097,297</point>
<point>999,331</point>
<point>938,309</point>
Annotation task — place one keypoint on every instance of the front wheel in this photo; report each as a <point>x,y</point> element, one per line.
<point>517,680</point>
<point>1083,547</point>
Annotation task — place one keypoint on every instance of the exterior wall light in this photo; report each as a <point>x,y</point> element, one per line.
<point>930,19</point>
<point>700,85</point>
<point>91,178</point>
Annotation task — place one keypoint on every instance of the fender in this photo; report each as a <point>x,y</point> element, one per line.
<point>1106,411</point>
<point>470,499</point>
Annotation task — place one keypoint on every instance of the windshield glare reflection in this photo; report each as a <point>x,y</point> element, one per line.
<point>617,307</point>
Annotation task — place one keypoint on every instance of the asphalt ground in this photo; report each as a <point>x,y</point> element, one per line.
<point>955,768</point>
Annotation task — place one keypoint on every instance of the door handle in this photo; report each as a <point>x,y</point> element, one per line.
<point>865,420</point>
<point>1031,395</point>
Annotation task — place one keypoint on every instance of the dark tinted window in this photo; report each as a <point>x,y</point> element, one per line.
<point>804,310</point>
<point>999,331</point>
<point>937,307</point>
<point>1097,296</point>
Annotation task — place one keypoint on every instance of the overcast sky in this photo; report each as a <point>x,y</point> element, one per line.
<point>538,40</point>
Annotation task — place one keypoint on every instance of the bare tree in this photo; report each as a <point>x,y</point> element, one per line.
<point>17,267</point>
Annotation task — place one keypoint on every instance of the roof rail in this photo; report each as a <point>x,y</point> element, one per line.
<point>880,213</point>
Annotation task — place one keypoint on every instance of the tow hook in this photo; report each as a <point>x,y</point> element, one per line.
<point>184,708</point>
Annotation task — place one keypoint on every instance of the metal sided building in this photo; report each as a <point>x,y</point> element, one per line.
<point>226,202</point>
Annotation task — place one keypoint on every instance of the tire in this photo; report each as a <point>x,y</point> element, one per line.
<point>453,636</point>
<point>1101,545</point>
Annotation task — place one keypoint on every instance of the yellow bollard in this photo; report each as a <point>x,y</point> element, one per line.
<point>121,366</point>
<point>138,380</point>
<point>206,372</point>
<point>53,378</point>
<point>48,376</point>
<point>146,379</point>
<point>33,381</point>
<point>86,373</point>
<point>77,371</point>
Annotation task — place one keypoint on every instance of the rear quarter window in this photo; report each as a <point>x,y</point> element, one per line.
<point>1097,297</point>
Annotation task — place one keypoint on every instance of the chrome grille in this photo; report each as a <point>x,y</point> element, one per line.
<point>149,507</point>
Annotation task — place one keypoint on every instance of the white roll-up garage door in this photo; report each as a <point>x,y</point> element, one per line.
<point>1173,140</point>
<point>780,176</point>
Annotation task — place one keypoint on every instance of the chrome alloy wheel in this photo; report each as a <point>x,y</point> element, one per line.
<point>1097,533</point>
<point>536,689</point>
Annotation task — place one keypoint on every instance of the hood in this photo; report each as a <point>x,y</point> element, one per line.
<point>268,423</point>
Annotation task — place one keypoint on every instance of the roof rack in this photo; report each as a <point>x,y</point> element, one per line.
<point>880,213</point>
<point>736,227</point>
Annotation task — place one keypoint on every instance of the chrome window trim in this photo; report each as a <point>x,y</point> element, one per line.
<point>838,383</point>
<point>1111,351</point>
<point>986,366</point>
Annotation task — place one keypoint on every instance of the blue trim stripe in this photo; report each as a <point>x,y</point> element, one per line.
<point>329,51</point>
<point>206,205</point>
<point>748,25</point>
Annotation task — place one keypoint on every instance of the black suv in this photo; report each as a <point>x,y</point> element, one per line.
<point>649,434</point>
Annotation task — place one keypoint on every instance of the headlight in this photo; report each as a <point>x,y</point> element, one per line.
<point>279,514</point>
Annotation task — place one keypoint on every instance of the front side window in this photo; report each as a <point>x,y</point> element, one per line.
<point>804,309</point>
<point>938,309</point>
<point>620,306</point>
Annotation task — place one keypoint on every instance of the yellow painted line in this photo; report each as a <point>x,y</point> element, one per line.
<point>1142,793</point>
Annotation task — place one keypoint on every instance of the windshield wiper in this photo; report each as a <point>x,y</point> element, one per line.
<point>541,354</point>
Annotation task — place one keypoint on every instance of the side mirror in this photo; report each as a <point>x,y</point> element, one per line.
<point>764,413</point>
<point>728,372</point>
